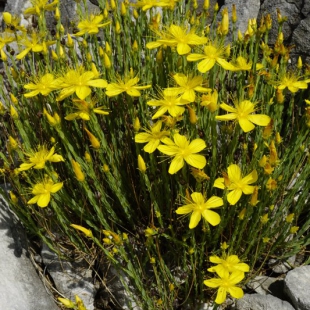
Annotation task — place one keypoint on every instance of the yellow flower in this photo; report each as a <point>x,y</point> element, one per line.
<point>148,4</point>
<point>152,138</point>
<point>264,219</point>
<point>243,114</point>
<point>254,201</point>
<point>210,100</point>
<point>212,54</point>
<point>289,218</point>
<point>129,86</point>
<point>67,303</point>
<point>230,263</point>
<point>226,284</point>
<point>79,81</point>
<point>271,184</point>
<point>294,229</point>
<point>87,232</point>
<point>168,101</point>
<point>44,85</point>
<point>38,159</point>
<point>188,85</point>
<point>91,24</point>
<point>5,38</point>
<point>201,208</point>
<point>241,64</point>
<point>34,43</point>
<point>199,175</point>
<point>43,191</point>
<point>266,239</point>
<point>85,109</point>
<point>178,37</point>
<point>12,22</point>
<point>39,6</point>
<point>291,81</point>
<point>236,184</point>
<point>183,150</point>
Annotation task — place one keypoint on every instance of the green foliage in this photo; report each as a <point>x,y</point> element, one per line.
<point>132,76</point>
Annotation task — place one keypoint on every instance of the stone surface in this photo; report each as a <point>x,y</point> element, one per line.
<point>246,9</point>
<point>70,278</point>
<point>267,286</point>
<point>301,38</point>
<point>21,288</point>
<point>281,267</point>
<point>261,302</point>
<point>290,10</point>
<point>296,286</point>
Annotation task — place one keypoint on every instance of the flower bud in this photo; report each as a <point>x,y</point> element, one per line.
<point>69,41</point>
<point>13,112</point>
<point>107,61</point>
<point>234,14</point>
<point>77,171</point>
<point>141,164</point>
<point>93,140</point>
<point>136,124</point>
<point>123,9</point>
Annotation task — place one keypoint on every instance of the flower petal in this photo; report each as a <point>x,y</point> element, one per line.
<point>219,183</point>
<point>206,65</point>
<point>214,202</point>
<point>56,187</point>
<point>234,173</point>
<point>185,209</point>
<point>214,283</point>
<point>197,145</point>
<point>183,48</point>
<point>44,200</point>
<point>198,198</point>
<point>101,83</point>
<point>236,292</point>
<point>245,124</point>
<point>221,295</point>
<point>211,217</point>
<point>176,164</point>
<point>228,108</point>
<point>250,178</point>
<point>197,161</point>
<point>195,219</point>
<point>234,196</point>
<point>151,146</point>
<point>83,91</point>
<point>259,119</point>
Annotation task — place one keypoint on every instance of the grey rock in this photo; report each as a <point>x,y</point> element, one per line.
<point>21,288</point>
<point>117,281</point>
<point>281,267</point>
<point>70,278</point>
<point>301,38</point>
<point>306,8</point>
<point>261,302</point>
<point>246,9</point>
<point>267,286</point>
<point>296,286</point>
<point>290,10</point>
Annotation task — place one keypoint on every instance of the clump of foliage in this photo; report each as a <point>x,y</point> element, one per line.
<point>141,134</point>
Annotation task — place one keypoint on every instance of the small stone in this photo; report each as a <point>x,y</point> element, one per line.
<point>70,278</point>
<point>262,302</point>
<point>281,267</point>
<point>296,286</point>
<point>267,286</point>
